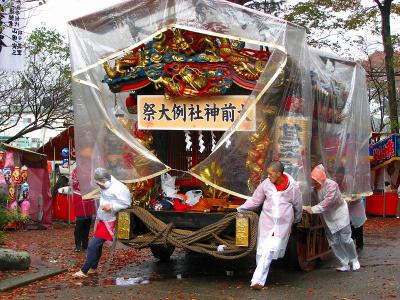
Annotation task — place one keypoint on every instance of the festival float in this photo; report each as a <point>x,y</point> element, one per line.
<point>187,101</point>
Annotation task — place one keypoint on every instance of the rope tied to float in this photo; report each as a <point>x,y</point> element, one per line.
<point>204,240</point>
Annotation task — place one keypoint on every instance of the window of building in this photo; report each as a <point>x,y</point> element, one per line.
<point>26,120</point>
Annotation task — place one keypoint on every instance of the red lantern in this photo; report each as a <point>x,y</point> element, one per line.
<point>131,103</point>
<point>2,159</point>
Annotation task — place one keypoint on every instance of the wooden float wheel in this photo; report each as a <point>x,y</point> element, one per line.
<point>161,252</point>
<point>301,247</point>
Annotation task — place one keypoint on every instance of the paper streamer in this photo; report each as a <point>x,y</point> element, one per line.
<point>213,142</point>
<point>201,143</point>
<point>188,141</point>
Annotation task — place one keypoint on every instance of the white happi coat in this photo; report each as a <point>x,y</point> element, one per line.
<point>279,210</point>
<point>119,197</point>
<point>332,206</point>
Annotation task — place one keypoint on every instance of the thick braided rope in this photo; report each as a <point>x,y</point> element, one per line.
<point>204,240</point>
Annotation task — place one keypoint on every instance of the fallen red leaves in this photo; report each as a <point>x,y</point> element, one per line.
<point>376,224</point>
<point>56,247</point>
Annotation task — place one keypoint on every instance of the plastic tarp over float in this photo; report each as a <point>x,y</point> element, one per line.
<point>305,107</point>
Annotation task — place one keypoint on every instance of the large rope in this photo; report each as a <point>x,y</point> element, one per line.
<point>204,240</point>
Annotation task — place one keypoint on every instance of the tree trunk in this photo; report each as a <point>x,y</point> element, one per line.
<point>389,65</point>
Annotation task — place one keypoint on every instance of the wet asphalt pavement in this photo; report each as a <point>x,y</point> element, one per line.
<point>203,277</point>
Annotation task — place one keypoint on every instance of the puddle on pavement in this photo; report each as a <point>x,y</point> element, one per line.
<point>181,266</point>
<point>57,286</point>
<point>118,281</point>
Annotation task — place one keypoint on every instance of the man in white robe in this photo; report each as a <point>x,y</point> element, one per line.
<point>114,197</point>
<point>336,217</point>
<point>281,201</point>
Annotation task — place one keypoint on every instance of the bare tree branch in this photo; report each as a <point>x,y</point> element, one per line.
<point>43,89</point>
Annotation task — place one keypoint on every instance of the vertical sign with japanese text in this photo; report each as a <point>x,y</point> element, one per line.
<point>12,22</point>
<point>197,113</point>
<point>290,139</point>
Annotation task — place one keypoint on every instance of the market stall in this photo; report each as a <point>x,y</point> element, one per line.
<point>24,178</point>
<point>385,169</point>
<point>58,151</point>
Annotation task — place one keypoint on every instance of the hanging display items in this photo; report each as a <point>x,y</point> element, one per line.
<point>15,177</point>
<point>65,157</point>
<point>24,173</point>
<point>7,175</point>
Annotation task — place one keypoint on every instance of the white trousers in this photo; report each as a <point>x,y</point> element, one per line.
<point>342,245</point>
<point>262,269</point>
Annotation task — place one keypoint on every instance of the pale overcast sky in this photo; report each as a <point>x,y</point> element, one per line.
<point>56,13</point>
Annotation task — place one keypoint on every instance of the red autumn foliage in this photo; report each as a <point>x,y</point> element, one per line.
<point>55,247</point>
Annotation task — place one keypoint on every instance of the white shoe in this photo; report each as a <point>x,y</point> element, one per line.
<point>343,268</point>
<point>356,265</point>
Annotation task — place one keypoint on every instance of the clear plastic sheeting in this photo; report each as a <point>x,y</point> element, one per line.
<point>282,100</point>
<point>341,123</point>
<point>208,48</point>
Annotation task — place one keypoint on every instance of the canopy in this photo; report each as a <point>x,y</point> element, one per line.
<point>27,157</point>
<point>57,143</point>
<point>185,49</point>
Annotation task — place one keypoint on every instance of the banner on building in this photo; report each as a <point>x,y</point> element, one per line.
<point>12,22</point>
<point>386,151</point>
<point>199,113</point>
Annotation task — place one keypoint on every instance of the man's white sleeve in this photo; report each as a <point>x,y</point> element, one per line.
<point>123,200</point>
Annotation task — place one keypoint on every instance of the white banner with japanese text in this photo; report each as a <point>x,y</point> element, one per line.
<point>12,22</point>
<point>200,113</point>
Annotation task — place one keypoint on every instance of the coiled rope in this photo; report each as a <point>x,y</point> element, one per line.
<point>204,240</point>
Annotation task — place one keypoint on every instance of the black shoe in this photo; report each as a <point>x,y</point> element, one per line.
<point>78,249</point>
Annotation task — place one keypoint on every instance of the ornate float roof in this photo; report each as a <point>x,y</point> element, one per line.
<point>187,63</point>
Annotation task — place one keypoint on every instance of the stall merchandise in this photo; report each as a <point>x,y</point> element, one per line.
<point>385,168</point>
<point>24,178</point>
